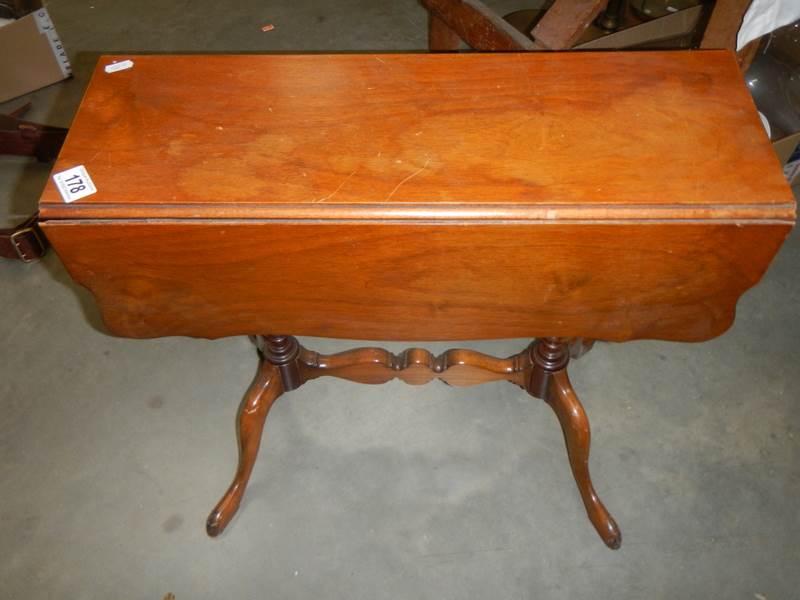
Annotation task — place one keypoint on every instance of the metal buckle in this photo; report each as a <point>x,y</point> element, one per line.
<point>16,245</point>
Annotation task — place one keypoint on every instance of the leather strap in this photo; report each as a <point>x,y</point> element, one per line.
<point>25,242</point>
<point>27,138</point>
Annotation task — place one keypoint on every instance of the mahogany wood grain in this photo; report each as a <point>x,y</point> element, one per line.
<point>540,369</point>
<point>449,196</point>
<point>417,280</point>
<point>265,389</point>
<point>313,137</point>
<point>548,380</point>
<point>416,366</point>
<point>562,399</point>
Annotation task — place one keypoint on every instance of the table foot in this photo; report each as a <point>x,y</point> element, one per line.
<point>540,369</point>
<point>550,382</point>
<point>258,399</point>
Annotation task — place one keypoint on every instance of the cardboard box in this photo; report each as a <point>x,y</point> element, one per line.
<point>31,54</point>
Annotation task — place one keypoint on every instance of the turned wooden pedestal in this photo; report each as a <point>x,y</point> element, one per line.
<point>547,196</point>
<point>540,369</point>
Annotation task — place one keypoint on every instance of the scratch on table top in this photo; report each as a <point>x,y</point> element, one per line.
<point>95,155</point>
<point>414,174</point>
<point>334,192</point>
<point>524,67</point>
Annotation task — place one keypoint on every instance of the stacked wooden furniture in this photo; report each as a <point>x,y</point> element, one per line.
<point>712,24</point>
<point>561,197</point>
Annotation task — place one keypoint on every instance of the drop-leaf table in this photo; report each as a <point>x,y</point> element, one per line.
<point>561,197</point>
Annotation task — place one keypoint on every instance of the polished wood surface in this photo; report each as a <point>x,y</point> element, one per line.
<point>417,280</point>
<point>299,136</point>
<point>540,369</point>
<point>599,195</point>
<point>263,391</point>
<point>575,425</point>
<point>415,366</point>
<point>565,197</point>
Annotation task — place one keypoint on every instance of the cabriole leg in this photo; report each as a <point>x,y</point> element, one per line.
<point>267,386</point>
<point>540,369</point>
<point>550,382</point>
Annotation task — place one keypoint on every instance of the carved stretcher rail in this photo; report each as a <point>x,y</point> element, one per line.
<point>416,366</point>
<point>540,369</point>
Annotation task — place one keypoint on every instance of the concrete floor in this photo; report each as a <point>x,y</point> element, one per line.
<point>113,451</point>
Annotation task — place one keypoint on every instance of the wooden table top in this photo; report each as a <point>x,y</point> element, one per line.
<point>612,196</point>
<point>472,136</point>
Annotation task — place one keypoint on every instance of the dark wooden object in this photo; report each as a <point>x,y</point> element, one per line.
<point>540,369</point>
<point>451,21</point>
<point>440,37</point>
<point>446,196</point>
<point>475,23</point>
<point>723,27</point>
<point>724,24</point>
<point>565,21</point>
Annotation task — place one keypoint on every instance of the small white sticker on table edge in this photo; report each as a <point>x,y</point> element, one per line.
<point>118,66</point>
<point>73,179</point>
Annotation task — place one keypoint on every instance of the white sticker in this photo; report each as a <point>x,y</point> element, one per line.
<point>45,26</point>
<point>74,183</point>
<point>118,66</point>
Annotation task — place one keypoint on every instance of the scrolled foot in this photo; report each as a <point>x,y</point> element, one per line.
<point>611,534</point>
<point>214,525</point>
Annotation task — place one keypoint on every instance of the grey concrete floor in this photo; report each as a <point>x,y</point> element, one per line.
<point>113,451</point>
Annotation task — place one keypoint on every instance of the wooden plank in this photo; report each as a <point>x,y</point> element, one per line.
<point>478,25</point>
<point>673,25</point>
<point>440,37</point>
<point>565,21</point>
<point>723,28</point>
<point>724,24</point>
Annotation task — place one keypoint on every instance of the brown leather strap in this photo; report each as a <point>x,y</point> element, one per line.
<point>27,138</point>
<point>25,242</point>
